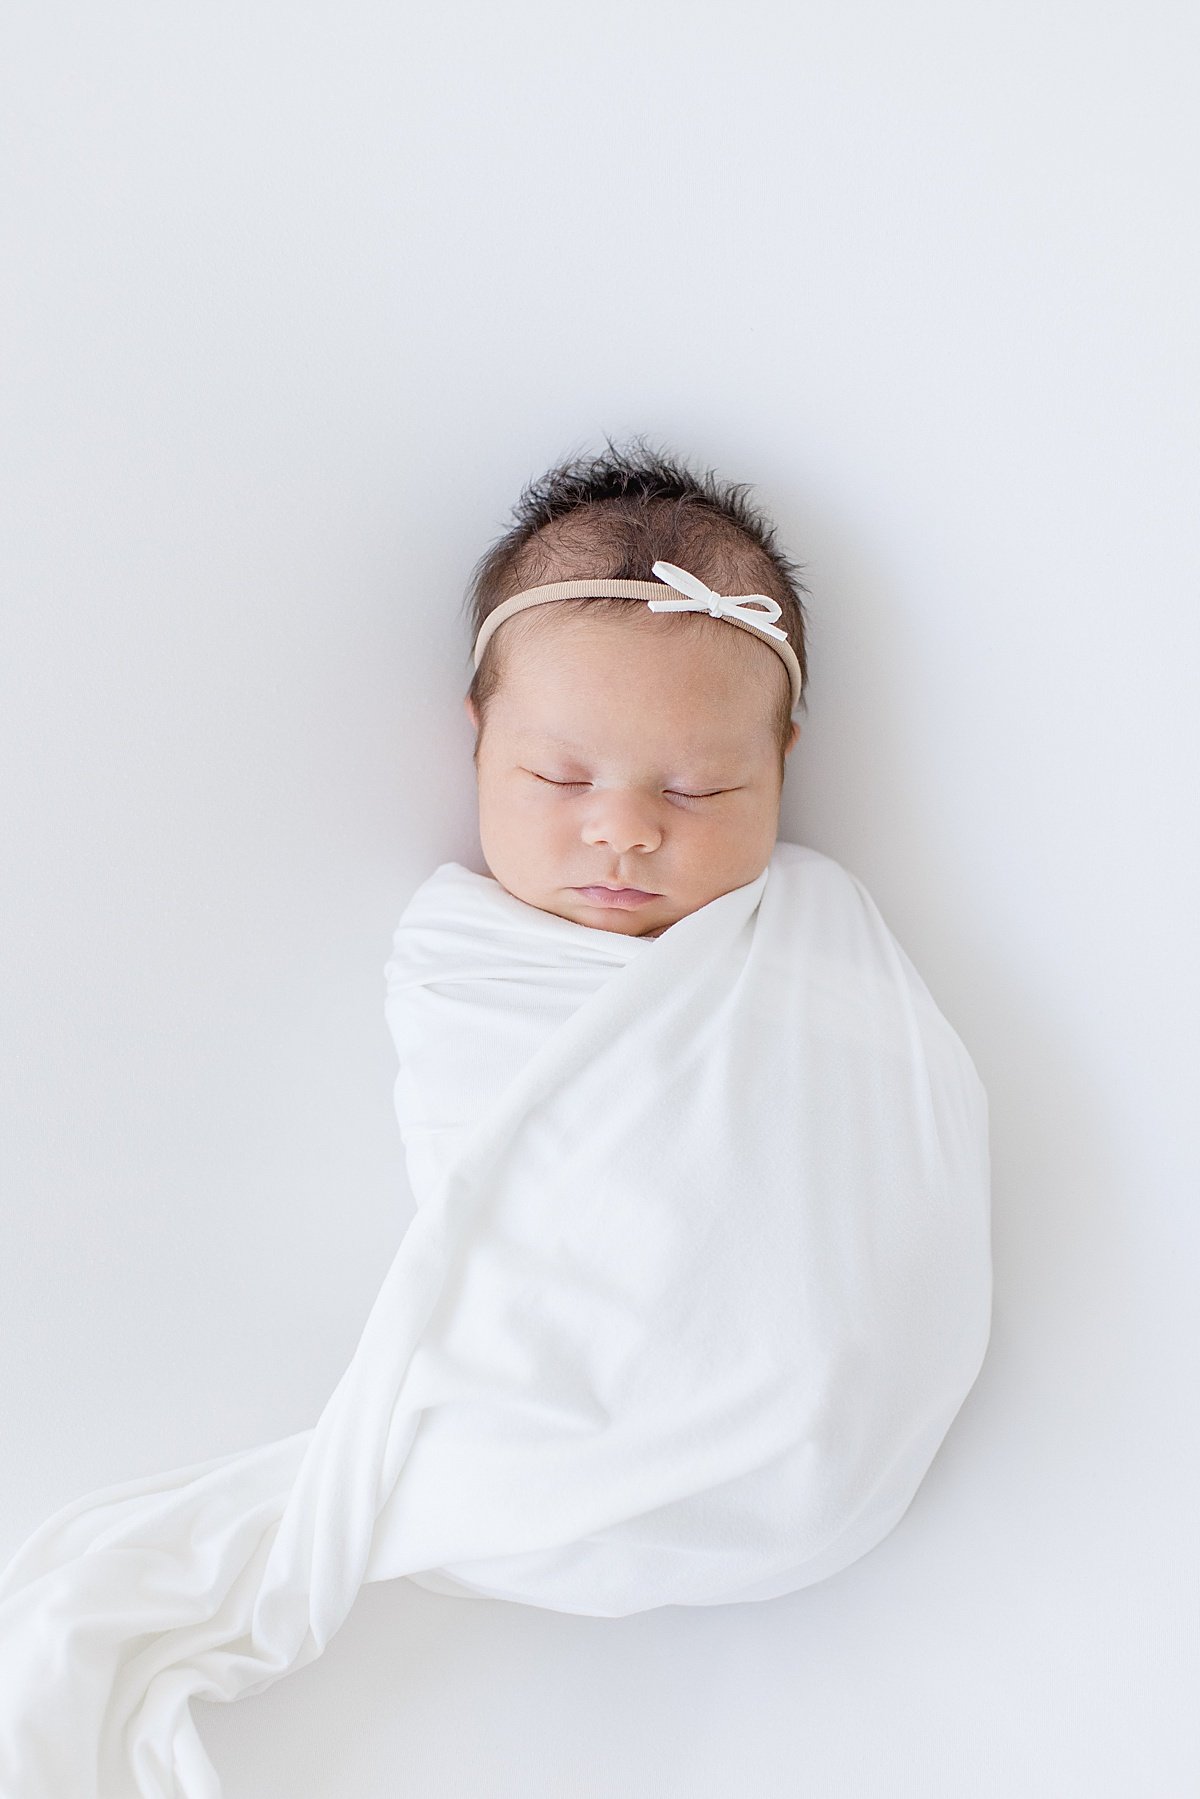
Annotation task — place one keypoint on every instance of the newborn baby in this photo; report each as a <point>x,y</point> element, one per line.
<point>630,761</point>
<point>699,1274</point>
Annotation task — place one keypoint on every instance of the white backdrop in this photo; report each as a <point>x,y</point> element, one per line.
<point>295,300</point>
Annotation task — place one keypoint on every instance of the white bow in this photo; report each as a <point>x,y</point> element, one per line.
<point>746,606</point>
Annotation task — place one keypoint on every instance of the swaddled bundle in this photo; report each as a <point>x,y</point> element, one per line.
<point>698,1278</point>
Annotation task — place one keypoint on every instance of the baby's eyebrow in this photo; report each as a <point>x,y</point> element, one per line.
<point>709,757</point>
<point>560,743</point>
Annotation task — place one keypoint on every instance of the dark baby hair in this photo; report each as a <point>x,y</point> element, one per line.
<point>613,515</point>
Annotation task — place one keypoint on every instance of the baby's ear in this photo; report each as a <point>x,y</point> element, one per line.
<point>470,711</point>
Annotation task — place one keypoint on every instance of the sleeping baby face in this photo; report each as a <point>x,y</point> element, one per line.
<point>629,751</point>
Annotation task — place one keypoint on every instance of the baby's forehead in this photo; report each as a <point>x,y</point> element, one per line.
<point>711,745</point>
<point>608,676</point>
<point>582,639</point>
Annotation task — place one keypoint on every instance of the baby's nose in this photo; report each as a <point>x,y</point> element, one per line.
<point>622,821</point>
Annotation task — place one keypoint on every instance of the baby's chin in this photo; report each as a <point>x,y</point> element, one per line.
<point>636,921</point>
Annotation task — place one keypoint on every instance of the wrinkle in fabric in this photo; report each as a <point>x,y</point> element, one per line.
<point>698,1278</point>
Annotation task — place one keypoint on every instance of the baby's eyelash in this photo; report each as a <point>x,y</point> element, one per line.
<point>678,795</point>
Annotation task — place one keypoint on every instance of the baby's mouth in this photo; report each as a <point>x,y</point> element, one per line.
<point>615,896</point>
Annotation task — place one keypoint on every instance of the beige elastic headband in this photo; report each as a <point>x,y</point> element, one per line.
<point>748,611</point>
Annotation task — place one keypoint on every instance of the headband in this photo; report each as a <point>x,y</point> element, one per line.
<point>748,611</point>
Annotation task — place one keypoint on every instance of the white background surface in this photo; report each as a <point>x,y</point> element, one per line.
<point>295,299</point>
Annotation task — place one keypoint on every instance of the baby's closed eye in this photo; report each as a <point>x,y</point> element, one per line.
<point>674,792</point>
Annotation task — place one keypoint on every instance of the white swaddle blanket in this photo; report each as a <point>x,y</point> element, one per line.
<point>699,1276</point>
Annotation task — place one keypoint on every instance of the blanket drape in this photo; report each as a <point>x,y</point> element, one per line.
<point>698,1277</point>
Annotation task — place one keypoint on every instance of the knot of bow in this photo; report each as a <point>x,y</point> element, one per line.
<point>749,607</point>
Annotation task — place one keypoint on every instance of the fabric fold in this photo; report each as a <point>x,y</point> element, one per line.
<point>698,1278</point>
